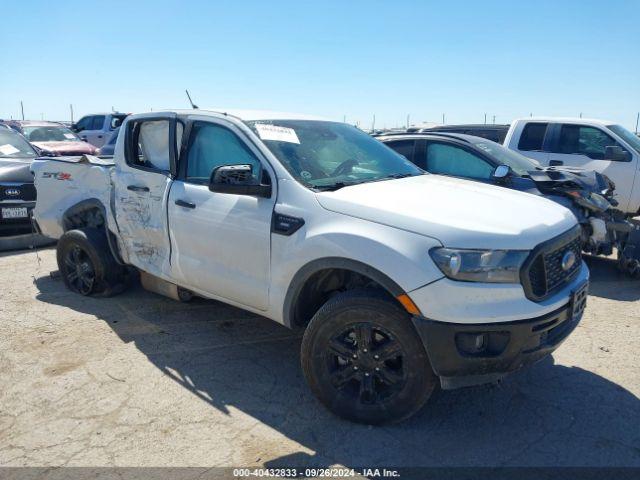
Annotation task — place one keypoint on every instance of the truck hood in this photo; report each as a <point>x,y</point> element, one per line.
<point>458,213</point>
<point>66,148</point>
<point>15,171</point>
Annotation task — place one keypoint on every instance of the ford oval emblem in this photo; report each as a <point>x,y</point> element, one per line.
<point>12,192</point>
<point>568,260</point>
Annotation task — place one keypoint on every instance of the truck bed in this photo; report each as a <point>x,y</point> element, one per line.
<point>62,182</point>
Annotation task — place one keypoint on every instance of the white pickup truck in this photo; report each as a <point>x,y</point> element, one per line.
<point>587,143</point>
<point>399,278</point>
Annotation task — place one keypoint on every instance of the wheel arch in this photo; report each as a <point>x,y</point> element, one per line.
<point>300,304</point>
<point>86,213</point>
<point>91,213</point>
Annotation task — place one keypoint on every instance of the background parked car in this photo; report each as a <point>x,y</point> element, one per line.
<point>52,138</point>
<point>97,128</point>
<point>588,194</point>
<point>591,144</point>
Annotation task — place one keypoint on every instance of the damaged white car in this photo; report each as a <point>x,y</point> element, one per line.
<point>401,279</point>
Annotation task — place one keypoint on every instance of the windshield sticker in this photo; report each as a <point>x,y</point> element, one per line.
<point>8,149</point>
<point>279,134</point>
<point>306,175</point>
<point>70,136</point>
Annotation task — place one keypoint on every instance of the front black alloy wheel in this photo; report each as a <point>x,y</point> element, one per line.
<point>367,363</point>
<point>364,360</point>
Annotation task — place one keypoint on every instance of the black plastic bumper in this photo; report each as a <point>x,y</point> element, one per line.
<point>472,354</point>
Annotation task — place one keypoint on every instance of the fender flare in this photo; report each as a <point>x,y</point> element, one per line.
<point>304,273</point>
<point>80,207</point>
<point>88,204</point>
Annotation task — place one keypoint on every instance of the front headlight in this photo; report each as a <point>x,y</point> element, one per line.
<point>493,266</point>
<point>601,202</point>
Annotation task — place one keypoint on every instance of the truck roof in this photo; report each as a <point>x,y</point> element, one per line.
<point>578,120</point>
<point>33,123</point>
<point>248,115</point>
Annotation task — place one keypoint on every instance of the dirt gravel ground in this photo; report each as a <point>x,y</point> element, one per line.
<point>140,380</point>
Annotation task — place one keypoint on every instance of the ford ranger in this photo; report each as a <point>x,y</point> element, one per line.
<point>402,280</point>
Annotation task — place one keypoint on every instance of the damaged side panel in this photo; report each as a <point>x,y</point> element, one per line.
<point>65,182</point>
<point>140,199</point>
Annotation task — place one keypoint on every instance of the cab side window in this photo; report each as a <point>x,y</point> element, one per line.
<point>84,124</point>
<point>97,124</point>
<point>211,146</point>
<point>446,159</point>
<point>403,147</point>
<point>584,140</point>
<point>152,140</point>
<point>532,138</point>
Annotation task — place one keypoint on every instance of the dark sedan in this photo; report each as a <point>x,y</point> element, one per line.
<point>588,194</point>
<point>17,192</point>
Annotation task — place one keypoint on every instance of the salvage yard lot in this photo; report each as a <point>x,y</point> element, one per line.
<point>141,380</point>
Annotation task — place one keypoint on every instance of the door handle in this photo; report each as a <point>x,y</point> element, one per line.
<point>185,204</point>
<point>136,188</point>
<point>555,163</point>
<point>99,136</point>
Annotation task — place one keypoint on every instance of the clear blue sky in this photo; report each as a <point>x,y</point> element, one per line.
<point>331,58</point>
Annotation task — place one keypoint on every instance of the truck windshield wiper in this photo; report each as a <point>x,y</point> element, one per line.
<point>335,186</point>
<point>398,175</point>
<point>338,185</point>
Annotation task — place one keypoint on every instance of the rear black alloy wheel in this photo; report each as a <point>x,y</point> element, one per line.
<point>79,270</point>
<point>87,265</point>
<point>366,363</point>
<point>364,359</point>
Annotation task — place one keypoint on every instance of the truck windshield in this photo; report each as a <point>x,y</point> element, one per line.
<point>330,155</point>
<point>626,135</point>
<point>13,145</point>
<point>50,133</point>
<point>518,163</point>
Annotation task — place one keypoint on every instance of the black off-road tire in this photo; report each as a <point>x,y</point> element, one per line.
<point>346,375</point>
<point>87,265</point>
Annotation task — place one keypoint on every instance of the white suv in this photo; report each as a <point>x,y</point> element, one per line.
<point>400,278</point>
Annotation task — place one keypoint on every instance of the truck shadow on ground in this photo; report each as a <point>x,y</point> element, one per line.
<point>608,282</point>
<point>546,415</point>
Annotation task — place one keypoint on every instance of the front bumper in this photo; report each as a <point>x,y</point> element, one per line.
<point>471,354</point>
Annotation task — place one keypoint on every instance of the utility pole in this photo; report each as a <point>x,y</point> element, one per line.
<point>71,109</point>
<point>443,118</point>
<point>344,119</point>
<point>637,120</point>
<point>22,109</point>
<point>408,124</point>
<point>531,114</point>
<point>580,114</point>
<point>485,118</point>
<point>494,119</point>
<point>373,125</point>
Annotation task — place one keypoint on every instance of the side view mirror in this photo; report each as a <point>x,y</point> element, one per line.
<point>501,172</point>
<point>238,180</point>
<point>74,127</point>
<point>617,154</point>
